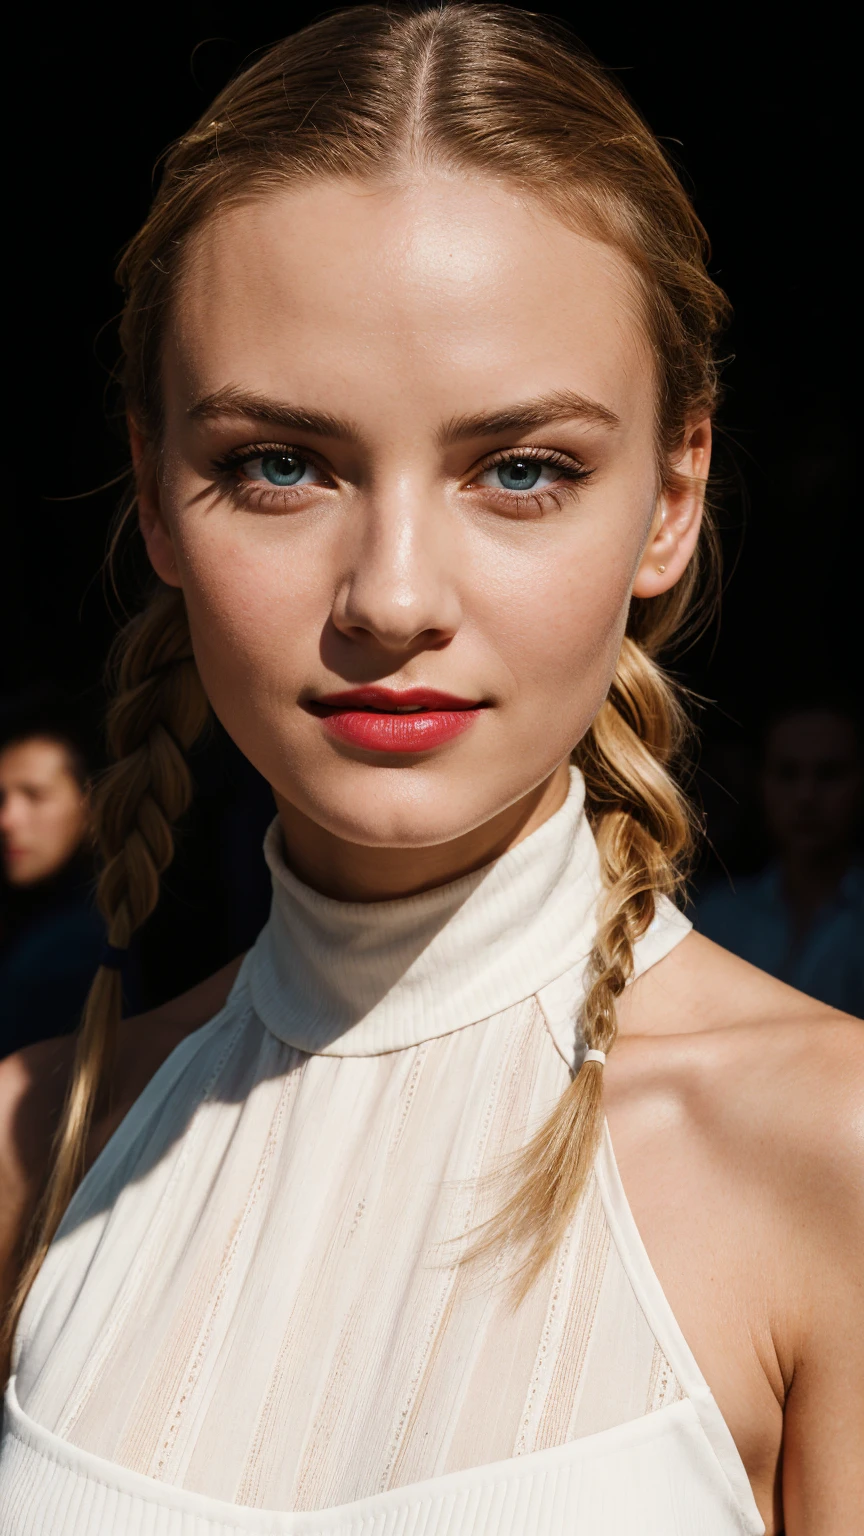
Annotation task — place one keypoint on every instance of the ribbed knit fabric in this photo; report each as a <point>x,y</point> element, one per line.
<point>251,1318</point>
<point>358,979</point>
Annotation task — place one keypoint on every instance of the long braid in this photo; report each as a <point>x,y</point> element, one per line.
<point>158,712</point>
<point>643,828</point>
<point>363,93</point>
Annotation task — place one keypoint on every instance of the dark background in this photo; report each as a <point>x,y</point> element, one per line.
<point>752,113</point>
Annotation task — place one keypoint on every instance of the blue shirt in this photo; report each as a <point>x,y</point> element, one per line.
<point>45,975</point>
<point>753,921</point>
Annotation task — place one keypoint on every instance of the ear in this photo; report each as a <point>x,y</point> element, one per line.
<point>154,529</point>
<point>678,518</point>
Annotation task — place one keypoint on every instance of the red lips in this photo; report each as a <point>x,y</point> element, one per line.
<point>373,717</point>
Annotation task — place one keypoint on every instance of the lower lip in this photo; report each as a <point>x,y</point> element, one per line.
<point>399,733</point>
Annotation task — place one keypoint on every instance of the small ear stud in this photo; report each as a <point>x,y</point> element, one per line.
<point>661,569</point>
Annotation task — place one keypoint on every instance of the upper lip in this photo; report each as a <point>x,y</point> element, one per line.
<point>390,699</point>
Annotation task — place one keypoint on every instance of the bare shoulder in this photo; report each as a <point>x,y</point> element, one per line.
<point>33,1087</point>
<point>772,1080</point>
<point>735,1106</point>
<point>750,1046</point>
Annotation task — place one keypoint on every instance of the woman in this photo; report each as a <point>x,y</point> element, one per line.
<point>420,380</point>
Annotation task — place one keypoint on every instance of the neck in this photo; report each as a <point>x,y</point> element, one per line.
<point>349,871</point>
<point>349,978</point>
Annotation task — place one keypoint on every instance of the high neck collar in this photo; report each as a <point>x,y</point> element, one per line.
<point>341,978</point>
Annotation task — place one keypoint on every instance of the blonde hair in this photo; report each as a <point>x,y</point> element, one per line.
<point>377,93</point>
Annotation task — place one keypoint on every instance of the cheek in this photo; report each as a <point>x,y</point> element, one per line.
<point>843,801</point>
<point>559,627</point>
<point>67,815</point>
<point>48,824</point>
<point>255,610</point>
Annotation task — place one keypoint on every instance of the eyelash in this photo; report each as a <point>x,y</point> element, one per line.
<point>572,476</point>
<point>254,491</point>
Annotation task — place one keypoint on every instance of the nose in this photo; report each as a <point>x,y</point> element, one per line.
<point>400,589</point>
<point>806,788</point>
<point>7,813</point>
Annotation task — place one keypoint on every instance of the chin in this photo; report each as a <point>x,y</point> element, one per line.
<point>409,820</point>
<point>405,807</point>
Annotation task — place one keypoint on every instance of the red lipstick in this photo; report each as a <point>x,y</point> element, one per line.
<point>395,719</point>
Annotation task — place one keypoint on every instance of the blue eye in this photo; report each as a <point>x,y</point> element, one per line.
<point>282,469</point>
<point>519,474</point>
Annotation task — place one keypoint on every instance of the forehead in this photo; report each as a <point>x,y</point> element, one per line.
<point>812,736</point>
<point>37,761</point>
<point>447,284</point>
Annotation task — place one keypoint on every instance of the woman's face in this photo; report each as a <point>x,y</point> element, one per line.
<point>409,446</point>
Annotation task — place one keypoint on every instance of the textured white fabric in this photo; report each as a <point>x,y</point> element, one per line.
<point>657,1476</point>
<point>251,1318</point>
<point>360,978</point>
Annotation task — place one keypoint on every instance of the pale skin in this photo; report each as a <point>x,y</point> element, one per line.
<point>382,332</point>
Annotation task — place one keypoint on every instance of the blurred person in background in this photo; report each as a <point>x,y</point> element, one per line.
<point>51,936</point>
<point>425,609</point>
<point>802,918</point>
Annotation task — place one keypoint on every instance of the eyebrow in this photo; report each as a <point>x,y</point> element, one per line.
<point>273,413</point>
<point>560,405</point>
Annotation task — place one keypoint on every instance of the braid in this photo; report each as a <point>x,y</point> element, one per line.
<point>499,92</point>
<point>158,712</point>
<point>643,828</point>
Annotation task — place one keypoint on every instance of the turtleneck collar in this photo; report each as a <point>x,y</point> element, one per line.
<point>343,978</point>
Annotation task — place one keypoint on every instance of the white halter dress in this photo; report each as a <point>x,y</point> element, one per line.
<point>251,1319</point>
